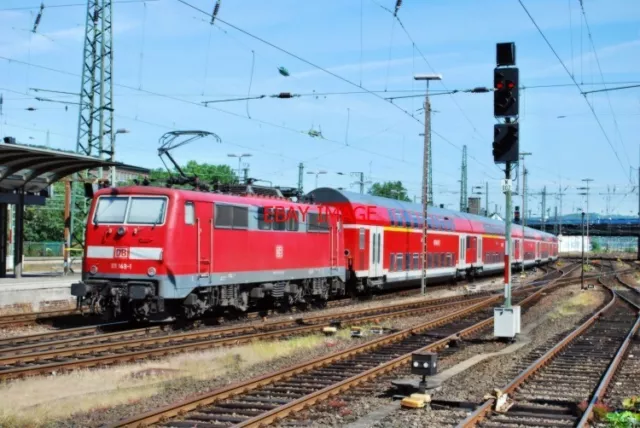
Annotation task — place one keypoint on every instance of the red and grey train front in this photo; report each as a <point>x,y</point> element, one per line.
<point>123,266</point>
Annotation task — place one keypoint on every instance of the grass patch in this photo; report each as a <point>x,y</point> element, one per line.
<point>37,402</point>
<point>576,304</point>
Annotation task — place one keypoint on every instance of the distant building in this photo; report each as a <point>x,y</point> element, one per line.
<point>474,205</point>
<point>124,173</point>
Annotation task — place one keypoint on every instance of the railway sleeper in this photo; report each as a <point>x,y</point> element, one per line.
<point>506,421</point>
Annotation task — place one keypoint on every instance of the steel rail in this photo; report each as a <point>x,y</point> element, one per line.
<point>31,317</point>
<point>483,410</point>
<point>615,364</point>
<point>237,329</point>
<point>311,399</point>
<point>172,349</point>
<point>176,409</point>
<point>600,392</point>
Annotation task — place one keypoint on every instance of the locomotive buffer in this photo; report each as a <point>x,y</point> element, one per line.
<point>506,319</point>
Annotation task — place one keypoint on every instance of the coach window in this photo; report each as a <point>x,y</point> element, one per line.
<point>189,213</point>
<point>392,261</point>
<point>399,221</point>
<point>393,222</point>
<point>399,262</point>
<point>361,246</point>
<point>264,223</point>
<point>224,216</point>
<point>407,264</point>
<point>430,260</point>
<point>415,261</point>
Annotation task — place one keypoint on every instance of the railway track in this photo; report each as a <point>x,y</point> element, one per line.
<point>75,317</point>
<point>65,338</point>
<point>263,400</point>
<point>549,389</point>
<point>35,317</point>
<point>131,345</point>
<point>620,382</point>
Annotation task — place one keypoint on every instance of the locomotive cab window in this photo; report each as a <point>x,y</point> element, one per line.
<point>189,213</point>
<point>110,210</point>
<point>147,210</point>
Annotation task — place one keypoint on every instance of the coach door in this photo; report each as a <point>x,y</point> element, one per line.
<point>471,249</point>
<point>204,226</point>
<point>375,256</point>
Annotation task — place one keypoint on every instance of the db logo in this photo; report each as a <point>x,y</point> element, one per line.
<point>122,253</point>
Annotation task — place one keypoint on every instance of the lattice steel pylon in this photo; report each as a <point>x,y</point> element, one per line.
<point>95,119</point>
<point>463,181</point>
<point>95,116</point>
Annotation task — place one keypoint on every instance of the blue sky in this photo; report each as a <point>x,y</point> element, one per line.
<point>169,49</point>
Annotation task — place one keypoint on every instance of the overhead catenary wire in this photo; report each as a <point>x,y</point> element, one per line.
<point>341,143</point>
<point>595,54</point>
<point>576,84</point>
<point>326,71</point>
<point>71,5</point>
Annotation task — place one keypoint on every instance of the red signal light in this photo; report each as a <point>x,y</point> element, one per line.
<point>510,85</point>
<point>499,85</point>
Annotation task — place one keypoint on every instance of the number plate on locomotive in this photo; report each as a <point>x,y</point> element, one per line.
<point>122,253</point>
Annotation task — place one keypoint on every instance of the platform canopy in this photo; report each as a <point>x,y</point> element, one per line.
<point>34,169</point>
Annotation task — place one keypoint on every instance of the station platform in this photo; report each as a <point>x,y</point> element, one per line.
<point>37,292</point>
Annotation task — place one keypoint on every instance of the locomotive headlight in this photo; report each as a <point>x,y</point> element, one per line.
<point>121,230</point>
<point>93,270</point>
<point>151,271</point>
<point>416,364</point>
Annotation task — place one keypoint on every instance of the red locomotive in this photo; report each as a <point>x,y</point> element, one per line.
<point>154,253</point>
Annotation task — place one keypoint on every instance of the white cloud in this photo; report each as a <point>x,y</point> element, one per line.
<point>351,67</point>
<point>587,60</point>
<point>35,43</point>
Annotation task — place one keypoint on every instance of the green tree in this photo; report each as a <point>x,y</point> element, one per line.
<point>390,189</point>
<point>46,223</point>
<point>205,171</point>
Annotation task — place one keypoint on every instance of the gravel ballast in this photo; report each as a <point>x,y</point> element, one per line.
<point>554,316</point>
